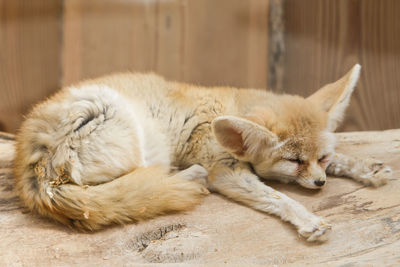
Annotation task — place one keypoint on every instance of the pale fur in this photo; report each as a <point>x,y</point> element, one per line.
<point>102,151</point>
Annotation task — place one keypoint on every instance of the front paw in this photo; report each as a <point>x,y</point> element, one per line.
<point>375,173</point>
<point>315,231</point>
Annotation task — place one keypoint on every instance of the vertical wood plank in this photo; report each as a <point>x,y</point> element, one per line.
<point>169,39</point>
<point>380,56</point>
<point>223,45</point>
<point>325,38</point>
<point>258,32</point>
<point>118,36</point>
<point>30,42</point>
<point>316,37</point>
<point>104,36</point>
<point>276,45</point>
<point>208,42</point>
<point>72,42</point>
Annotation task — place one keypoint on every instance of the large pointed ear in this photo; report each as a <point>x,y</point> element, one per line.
<point>335,97</point>
<point>240,136</point>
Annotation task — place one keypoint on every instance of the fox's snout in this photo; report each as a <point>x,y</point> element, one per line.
<point>313,177</point>
<point>319,182</point>
<point>312,183</point>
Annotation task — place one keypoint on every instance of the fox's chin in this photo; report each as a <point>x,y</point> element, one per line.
<point>308,184</point>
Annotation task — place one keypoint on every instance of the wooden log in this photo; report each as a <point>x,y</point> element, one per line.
<point>366,225</point>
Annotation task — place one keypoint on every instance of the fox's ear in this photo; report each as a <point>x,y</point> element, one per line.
<point>335,97</point>
<point>240,136</point>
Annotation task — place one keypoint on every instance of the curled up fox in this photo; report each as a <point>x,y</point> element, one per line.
<point>127,147</point>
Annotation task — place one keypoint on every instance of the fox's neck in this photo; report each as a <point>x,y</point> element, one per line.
<point>208,104</point>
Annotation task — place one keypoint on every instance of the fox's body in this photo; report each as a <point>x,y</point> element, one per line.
<point>102,151</point>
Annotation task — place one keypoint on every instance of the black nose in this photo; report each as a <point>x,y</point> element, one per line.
<point>319,183</point>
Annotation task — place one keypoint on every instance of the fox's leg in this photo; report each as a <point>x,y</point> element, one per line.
<point>240,184</point>
<point>195,173</point>
<point>366,171</point>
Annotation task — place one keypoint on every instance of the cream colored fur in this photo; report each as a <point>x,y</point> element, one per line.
<point>105,151</point>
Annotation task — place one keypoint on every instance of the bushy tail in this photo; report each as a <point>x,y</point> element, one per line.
<point>141,194</point>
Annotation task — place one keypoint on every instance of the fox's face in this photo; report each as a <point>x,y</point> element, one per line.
<point>290,139</point>
<point>300,156</point>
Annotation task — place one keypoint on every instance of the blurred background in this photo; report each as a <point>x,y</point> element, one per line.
<point>289,46</point>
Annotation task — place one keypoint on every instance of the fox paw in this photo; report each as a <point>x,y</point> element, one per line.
<point>315,232</point>
<point>375,173</point>
<point>195,173</point>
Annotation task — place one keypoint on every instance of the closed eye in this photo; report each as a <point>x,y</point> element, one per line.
<point>297,161</point>
<point>323,159</point>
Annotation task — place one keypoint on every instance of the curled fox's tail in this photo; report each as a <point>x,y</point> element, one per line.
<point>141,194</point>
<point>78,162</point>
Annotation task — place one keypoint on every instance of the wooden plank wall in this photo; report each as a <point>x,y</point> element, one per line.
<point>323,39</point>
<point>210,42</point>
<point>46,44</point>
<point>30,43</point>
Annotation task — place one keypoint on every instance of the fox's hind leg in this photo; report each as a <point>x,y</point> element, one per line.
<point>242,185</point>
<point>366,171</point>
<point>195,173</point>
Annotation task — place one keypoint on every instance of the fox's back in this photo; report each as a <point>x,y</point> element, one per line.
<point>181,112</point>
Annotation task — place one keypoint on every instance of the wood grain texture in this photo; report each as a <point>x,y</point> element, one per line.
<point>366,225</point>
<point>325,38</point>
<point>104,36</point>
<point>276,44</point>
<point>45,44</point>
<point>30,41</point>
<point>208,42</point>
<point>226,43</point>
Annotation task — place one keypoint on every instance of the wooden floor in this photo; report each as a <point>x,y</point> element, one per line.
<point>366,225</point>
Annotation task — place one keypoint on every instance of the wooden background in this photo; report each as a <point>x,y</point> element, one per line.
<point>285,45</point>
